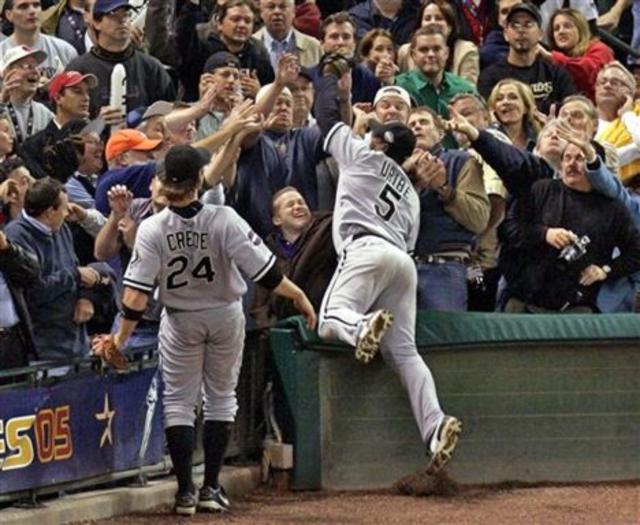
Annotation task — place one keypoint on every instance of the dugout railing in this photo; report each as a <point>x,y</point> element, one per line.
<point>54,429</point>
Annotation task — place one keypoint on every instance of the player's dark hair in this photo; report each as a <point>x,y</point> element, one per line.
<point>178,191</point>
<point>44,194</point>
<point>337,18</point>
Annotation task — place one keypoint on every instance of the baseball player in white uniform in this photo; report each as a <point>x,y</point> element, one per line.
<point>194,253</point>
<point>371,300</point>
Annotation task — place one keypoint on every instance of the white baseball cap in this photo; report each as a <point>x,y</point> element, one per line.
<point>18,53</point>
<point>392,91</point>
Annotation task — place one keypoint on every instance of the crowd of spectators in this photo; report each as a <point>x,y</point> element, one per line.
<point>531,120</point>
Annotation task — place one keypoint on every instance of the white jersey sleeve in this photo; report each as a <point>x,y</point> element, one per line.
<point>145,264</point>
<point>246,249</point>
<point>344,145</point>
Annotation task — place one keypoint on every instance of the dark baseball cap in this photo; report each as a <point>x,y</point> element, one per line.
<point>400,139</point>
<point>306,73</point>
<point>525,7</point>
<point>182,164</point>
<point>221,59</point>
<point>102,7</point>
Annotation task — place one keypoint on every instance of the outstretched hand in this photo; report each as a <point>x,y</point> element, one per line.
<point>105,347</point>
<point>577,138</point>
<point>460,124</point>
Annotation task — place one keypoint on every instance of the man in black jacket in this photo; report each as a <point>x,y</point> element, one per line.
<point>147,80</point>
<point>18,268</point>
<point>229,30</point>
<point>570,232</point>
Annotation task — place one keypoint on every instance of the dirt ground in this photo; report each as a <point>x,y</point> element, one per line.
<point>610,504</point>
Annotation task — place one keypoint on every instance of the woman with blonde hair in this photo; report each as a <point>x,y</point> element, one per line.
<point>514,110</point>
<point>377,51</point>
<point>574,47</point>
<point>464,59</point>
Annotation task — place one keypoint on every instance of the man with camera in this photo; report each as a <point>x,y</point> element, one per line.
<point>569,232</point>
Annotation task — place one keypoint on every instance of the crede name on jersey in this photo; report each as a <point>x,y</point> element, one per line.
<point>188,239</point>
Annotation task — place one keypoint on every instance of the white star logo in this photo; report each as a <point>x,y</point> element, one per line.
<point>106,415</point>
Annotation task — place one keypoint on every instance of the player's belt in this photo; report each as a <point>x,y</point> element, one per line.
<point>366,234</point>
<point>440,259</point>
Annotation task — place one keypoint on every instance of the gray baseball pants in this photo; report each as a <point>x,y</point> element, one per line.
<point>373,274</point>
<point>201,354</point>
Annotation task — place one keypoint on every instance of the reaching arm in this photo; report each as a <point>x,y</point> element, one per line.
<point>288,289</point>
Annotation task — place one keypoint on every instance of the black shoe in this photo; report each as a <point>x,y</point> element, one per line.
<point>213,500</point>
<point>185,504</point>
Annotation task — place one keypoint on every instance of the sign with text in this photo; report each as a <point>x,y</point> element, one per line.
<point>79,428</point>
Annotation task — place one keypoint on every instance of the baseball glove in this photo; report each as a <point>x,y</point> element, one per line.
<point>336,64</point>
<point>105,348</point>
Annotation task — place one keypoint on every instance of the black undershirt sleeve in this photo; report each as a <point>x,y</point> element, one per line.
<point>271,279</point>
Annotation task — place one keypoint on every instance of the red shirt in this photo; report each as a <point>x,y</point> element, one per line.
<point>584,69</point>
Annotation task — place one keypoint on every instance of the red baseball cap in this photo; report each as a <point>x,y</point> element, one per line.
<point>70,78</point>
<point>125,140</point>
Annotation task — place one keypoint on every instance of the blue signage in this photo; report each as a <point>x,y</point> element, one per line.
<point>79,428</point>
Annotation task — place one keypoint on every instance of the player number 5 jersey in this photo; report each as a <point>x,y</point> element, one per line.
<point>374,193</point>
<point>196,261</point>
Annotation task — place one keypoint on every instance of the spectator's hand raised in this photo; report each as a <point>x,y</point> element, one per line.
<point>288,69</point>
<point>545,119</point>
<point>209,95</point>
<point>592,274</point>
<point>10,82</point>
<point>76,213</point>
<point>559,237</point>
<point>386,71</point>
<point>120,199</point>
<point>137,36</point>
<point>127,228</point>
<point>460,124</point>
<point>9,192</point>
<point>242,115</point>
<point>577,138</point>
<point>627,106</point>
<point>250,84</point>
<point>88,276</point>
<point>112,116</point>
<point>544,53</point>
<point>83,312</point>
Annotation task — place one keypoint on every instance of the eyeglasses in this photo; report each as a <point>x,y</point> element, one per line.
<point>518,26</point>
<point>27,66</point>
<point>615,82</point>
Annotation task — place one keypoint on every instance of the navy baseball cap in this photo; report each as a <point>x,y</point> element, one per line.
<point>137,116</point>
<point>182,164</point>
<point>221,59</point>
<point>102,7</point>
<point>526,7</point>
<point>397,136</point>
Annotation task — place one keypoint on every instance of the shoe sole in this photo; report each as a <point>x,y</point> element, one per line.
<point>185,511</point>
<point>212,506</point>
<point>368,346</point>
<point>442,456</point>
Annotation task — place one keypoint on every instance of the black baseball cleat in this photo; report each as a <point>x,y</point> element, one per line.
<point>213,499</point>
<point>371,335</point>
<point>443,443</point>
<point>185,504</point>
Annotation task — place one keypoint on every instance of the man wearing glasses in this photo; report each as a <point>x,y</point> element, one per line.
<point>147,81</point>
<point>20,78</point>
<point>523,31</point>
<point>25,17</point>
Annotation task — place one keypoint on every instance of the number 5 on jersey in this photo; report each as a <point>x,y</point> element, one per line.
<point>178,267</point>
<point>386,196</point>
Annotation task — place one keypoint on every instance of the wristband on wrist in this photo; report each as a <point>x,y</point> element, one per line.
<point>130,314</point>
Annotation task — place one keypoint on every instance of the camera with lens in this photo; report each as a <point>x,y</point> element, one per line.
<point>572,252</point>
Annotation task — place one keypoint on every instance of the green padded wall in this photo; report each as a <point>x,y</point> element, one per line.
<point>541,410</point>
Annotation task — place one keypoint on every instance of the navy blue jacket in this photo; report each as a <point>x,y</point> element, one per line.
<point>52,296</point>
